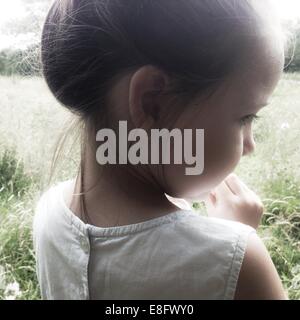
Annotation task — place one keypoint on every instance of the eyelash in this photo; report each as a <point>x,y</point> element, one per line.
<point>249,119</point>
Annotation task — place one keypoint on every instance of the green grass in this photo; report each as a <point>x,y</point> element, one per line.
<point>17,263</point>
<point>16,252</point>
<point>30,123</point>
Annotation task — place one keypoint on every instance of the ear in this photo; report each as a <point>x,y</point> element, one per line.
<point>144,104</point>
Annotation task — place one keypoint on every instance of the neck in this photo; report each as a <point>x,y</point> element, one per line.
<point>118,195</point>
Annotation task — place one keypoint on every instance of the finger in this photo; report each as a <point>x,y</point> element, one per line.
<point>210,203</point>
<point>243,184</point>
<point>235,184</point>
<point>210,196</point>
<point>213,197</point>
<point>223,191</point>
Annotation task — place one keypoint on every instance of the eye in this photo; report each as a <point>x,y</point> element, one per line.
<point>249,119</point>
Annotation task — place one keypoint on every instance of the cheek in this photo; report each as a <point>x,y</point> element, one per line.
<point>230,148</point>
<point>222,152</point>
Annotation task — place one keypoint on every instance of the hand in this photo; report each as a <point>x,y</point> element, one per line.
<point>233,200</point>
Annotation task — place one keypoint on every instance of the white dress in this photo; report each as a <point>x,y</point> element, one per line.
<point>182,255</point>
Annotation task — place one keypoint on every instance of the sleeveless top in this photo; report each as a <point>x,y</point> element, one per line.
<point>182,255</point>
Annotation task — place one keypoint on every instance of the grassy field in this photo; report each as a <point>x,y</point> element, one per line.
<point>30,124</point>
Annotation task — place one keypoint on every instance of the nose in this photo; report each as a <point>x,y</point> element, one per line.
<point>249,146</point>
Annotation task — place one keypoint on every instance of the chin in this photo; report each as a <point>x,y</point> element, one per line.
<point>191,196</point>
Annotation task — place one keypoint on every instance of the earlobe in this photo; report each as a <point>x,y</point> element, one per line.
<point>145,86</point>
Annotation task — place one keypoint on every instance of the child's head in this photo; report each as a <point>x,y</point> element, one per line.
<point>205,64</point>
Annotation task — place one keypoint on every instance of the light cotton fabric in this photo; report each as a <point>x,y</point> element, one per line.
<point>183,255</point>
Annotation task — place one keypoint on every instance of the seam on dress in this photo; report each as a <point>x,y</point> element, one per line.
<point>109,232</point>
<point>236,264</point>
<point>121,231</point>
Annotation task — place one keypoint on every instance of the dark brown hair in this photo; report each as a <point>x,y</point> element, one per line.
<point>87,44</point>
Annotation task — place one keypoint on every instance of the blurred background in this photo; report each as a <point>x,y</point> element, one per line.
<point>31,122</point>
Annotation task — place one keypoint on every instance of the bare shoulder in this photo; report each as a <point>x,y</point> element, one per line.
<point>258,279</point>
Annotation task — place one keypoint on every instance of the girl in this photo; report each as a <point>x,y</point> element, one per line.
<point>112,233</point>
